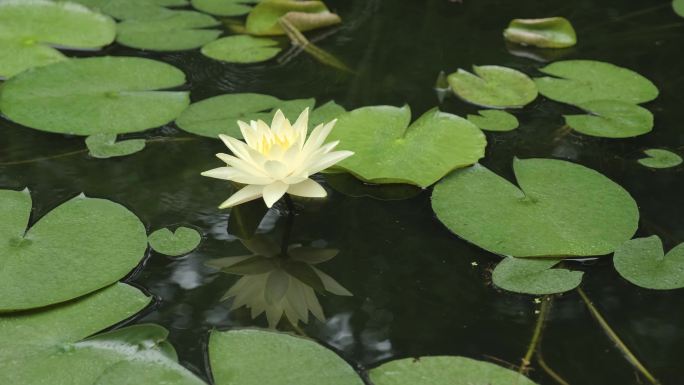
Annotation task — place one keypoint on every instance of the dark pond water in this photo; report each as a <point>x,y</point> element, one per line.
<point>415,289</point>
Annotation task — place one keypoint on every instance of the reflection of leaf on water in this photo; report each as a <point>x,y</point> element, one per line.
<point>278,284</point>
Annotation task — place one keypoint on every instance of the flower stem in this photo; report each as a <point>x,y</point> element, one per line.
<point>631,358</point>
<point>536,335</point>
<point>552,373</point>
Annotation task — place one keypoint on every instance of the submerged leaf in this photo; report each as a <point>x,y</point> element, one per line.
<point>175,31</point>
<point>560,209</point>
<point>494,120</point>
<point>242,49</point>
<point>643,262</point>
<point>179,242</point>
<point>551,32</point>
<point>493,86</point>
<point>105,146</point>
<point>659,158</point>
<point>611,119</point>
<point>304,15</point>
<point>534,276</point>
<point>389,150</point>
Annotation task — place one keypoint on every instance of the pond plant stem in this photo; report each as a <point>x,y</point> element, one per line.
<point>536,335</point>
<point>631,358</point>
<point>552,373</point>
<point>288,225</point>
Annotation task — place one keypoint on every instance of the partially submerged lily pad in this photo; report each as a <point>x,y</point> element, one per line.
<point>581,81</point>
<point>493,86</point>
<point>175,31</point>
<point>303,15</point>
<point>534,276</point>
<point>550,32</point>
<point>242,49</point>
<point>611,119</point>
<point>643,262</point>
<point>561,209</point>
<point>494,120</point>
<point>81,246</point>
<point>389,150</point>
<point>445,370</point>
<point>660,158</point>
<point>256,357</point>
<point>105,146</point>
<point>95,95</point>
<point>224,7</point>
<point>349,185</point>
<point>179,242</point>
<point>29,30</point>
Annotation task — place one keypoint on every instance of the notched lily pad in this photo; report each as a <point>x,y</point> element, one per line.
<point>242,49</point>
<point>660,158</point>
<point>643,262</point>
<point>493,86</point>
<point>303,15</point>
<point>611,119</point>
<point>389,150</point>
<point>81,246</point>
<point>256,357</point>
<point>534,276</point>
<point>494,120</point>
<point>175,31</point>
<point>561,209</point>
<point>179,242</point>
<point>581,81</point>
<point>95,95</point>
<point>550,32</point>
<point>445,370</point>
<point>105,146</point>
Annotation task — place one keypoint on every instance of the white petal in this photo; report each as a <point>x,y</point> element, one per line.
<point>275,169</point>
<point>242,151</point>
<point>246,194</point>
<point>328,160</point>
<point>301,125</point>
<point>241,164</point>
<point>318,136</point>
<point>278,123</point>
<point>248,132</point>
<point>273,192</point>
<point>309,188</point>
<point>227,173</point>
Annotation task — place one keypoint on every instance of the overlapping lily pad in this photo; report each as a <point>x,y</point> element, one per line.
<point>29,29</point>
<point>224,7</point>
<point>611,119</point>
<point>534,276</point>
<point>255,357</point>
<point>303,15</point>
<point>446,370</point>
<point>105,146</point>
<point>643,262</point>
<point>581,81</point>
<point>242,49</point>
<point>493,86</point>
<point>494,120</point>
<point>550,32</point>
<point>78,247</point>
<point>389,150</point>
<point>174,31</point>
<point>181,241</point>
<point>560,209</point>
<point>133,9</point>
<point>95,95</point>
<point>660,158</point>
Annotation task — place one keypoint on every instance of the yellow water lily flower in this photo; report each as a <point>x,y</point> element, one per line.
<point>277,160</point>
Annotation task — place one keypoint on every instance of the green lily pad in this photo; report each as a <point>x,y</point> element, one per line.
<point>678,7</point>
<point>326,113</point>
<point>224,7</point>
<point>81,246</point>
<point>388,150</point>
<point>95,95</point>
<point>534,276</point>
<point>581,81</point>
<point>643,262</point>
<point>611,119</point>
<point>445,370</point>
<point>132,9</point>
<point>303,15</point>
<point>659,158</point>
<point>550,32</point>
<point>561,209</point>
<point>493,86</point>
<point>242,49</point>
<point>256,357</point>
<point>219,114</point>
<point>105,146</point>
<point>494,120</point>
<point>175,31</point>
<point>29,29</point>
<point>182,241</point>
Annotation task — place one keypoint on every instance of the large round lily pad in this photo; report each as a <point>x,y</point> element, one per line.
<point>643,262</point>
<point>78,247</point>
<point>493,86</point>
<point>611,119</point>
<point>242,49</point>
<point>389,150</point>
<point>28,29</point>
<point>255,357</point>
<point>445,370</point>
<point>561,209</point>
<point>95,95</point>
<point>534,276</point>
<point>175,31</point>
<point>581,81</point>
